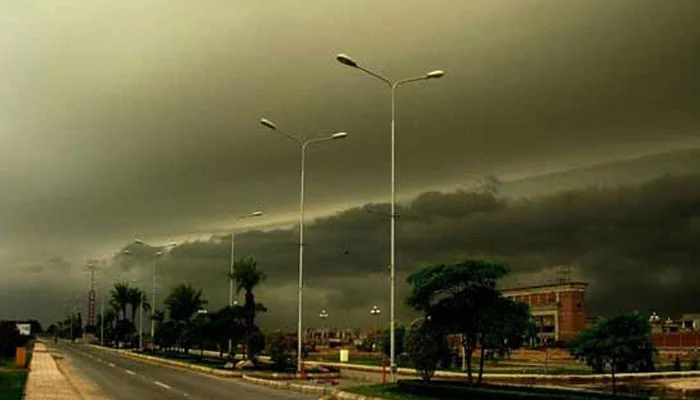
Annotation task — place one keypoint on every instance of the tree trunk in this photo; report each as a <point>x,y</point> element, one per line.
<point>468,350</point>
<point>612,370</point>
<point>481,360</point>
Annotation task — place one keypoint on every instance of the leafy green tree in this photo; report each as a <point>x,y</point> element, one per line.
<point>255,344</point>
<point>459,298</point>
<point>227,323</point>
<point>426,347</point>
<point>622,343</point>
<point>399,335</point>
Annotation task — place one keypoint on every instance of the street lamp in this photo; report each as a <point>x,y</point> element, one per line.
<point>158,254</point>
<point>323,315</point>
<point>302,144</point>
<point>350,62</point>
<point>233,260</point>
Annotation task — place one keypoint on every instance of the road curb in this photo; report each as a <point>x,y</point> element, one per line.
<point>521,378</point>
<point>299,387</point>
<point>172,363</point>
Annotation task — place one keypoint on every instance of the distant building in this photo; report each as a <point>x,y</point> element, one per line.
<point>558,310</point>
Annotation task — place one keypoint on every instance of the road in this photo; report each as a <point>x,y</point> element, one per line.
<point>121,378</point>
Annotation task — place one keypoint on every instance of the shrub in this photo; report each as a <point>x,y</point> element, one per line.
<point>281,348</point>
<point>426,347</point>
<point>677,364</point>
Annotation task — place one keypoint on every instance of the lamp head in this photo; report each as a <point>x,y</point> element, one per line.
<point>268,124</point>
<point>256,214</point>
<point>435,74</point>
<point>346,60</point>
<point>339,135</point>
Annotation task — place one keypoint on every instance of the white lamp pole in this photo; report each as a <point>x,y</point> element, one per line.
<point>233,261</point>
<point>302,144</point>
<point>347,60</point>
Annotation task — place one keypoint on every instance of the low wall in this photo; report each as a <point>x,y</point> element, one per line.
<point>676,340</point>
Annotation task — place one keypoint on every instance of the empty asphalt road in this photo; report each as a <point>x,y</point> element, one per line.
<point>120,378</point>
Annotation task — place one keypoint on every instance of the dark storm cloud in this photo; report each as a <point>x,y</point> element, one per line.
<point>635,244</point>
<point>120,120</point>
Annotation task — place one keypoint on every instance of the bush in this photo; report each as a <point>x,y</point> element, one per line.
<point>694,362</point>
<point>426,347</point>
<point>281,349</point>
<point>255,343</point>
<point>677,364</point>
<point>10,339</point>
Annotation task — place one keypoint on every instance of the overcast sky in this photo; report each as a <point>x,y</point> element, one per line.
<point>123,119</point>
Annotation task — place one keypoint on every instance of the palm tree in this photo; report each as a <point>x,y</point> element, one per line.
<point>120,298</point>
<point>247,277</point>
<point>136,297</point>
<point>183,302</point>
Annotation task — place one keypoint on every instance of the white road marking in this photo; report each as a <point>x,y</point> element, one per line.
<point>161,384</point>
<point>111,365</point>
<point>130,372</point>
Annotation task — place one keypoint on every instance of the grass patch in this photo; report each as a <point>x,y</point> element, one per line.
<point>12,384</point>
<point>451,391</point>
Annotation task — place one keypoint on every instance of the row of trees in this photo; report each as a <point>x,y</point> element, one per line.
<point>185,322</point>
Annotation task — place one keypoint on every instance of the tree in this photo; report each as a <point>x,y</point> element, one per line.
<point>227,324</point>
<point>136,296</point>
<point>120,298</point>
<point>426,346</point>
<point>247,276</point>
<point>507,323</point>
<point>281,348</point>
<point>622,343</point>
<point>183,302</point>
<point>400,334</point>
<point>458,298</point>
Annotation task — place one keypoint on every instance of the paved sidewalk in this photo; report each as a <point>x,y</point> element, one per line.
<point>45,380</point>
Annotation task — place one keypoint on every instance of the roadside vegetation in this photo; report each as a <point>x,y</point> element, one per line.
<point>13,376</point>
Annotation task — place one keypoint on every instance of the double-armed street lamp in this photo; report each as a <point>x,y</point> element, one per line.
<point>393,85</point>
<point>303,144</point>
<point>157,255</point>
<point>231,301</point>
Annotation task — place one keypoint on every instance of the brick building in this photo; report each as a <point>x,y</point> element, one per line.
<point>559,309</point>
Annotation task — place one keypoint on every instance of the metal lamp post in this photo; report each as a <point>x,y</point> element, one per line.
<point>157,255</point>
<point>348,61</point>
<point>233,260</point>
<point>324,316</point>
<point>303,144</point>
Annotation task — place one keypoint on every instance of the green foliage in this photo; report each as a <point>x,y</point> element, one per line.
<point>255,343</point>
<point>120,298</point>
<point>10,339</point>
<point>622,343</point>
<point>281,349</point>
<point>426,347</point>
<point>183,302</point>
<point>461,299</point>
<point>677,364</point>
<point>400,334</point>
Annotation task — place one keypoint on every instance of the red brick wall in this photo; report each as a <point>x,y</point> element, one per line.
<point>676,339</point>
<point>572,314</point>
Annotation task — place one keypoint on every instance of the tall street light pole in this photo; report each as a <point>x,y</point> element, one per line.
<point>233,261</point>
<point>157,255</point>
<point>348,61</point>
<point>303,144</point>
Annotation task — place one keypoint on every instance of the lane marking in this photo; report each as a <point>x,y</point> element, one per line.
<point>111,365</point>
<point>161,384</point>
<point>130,372</point>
